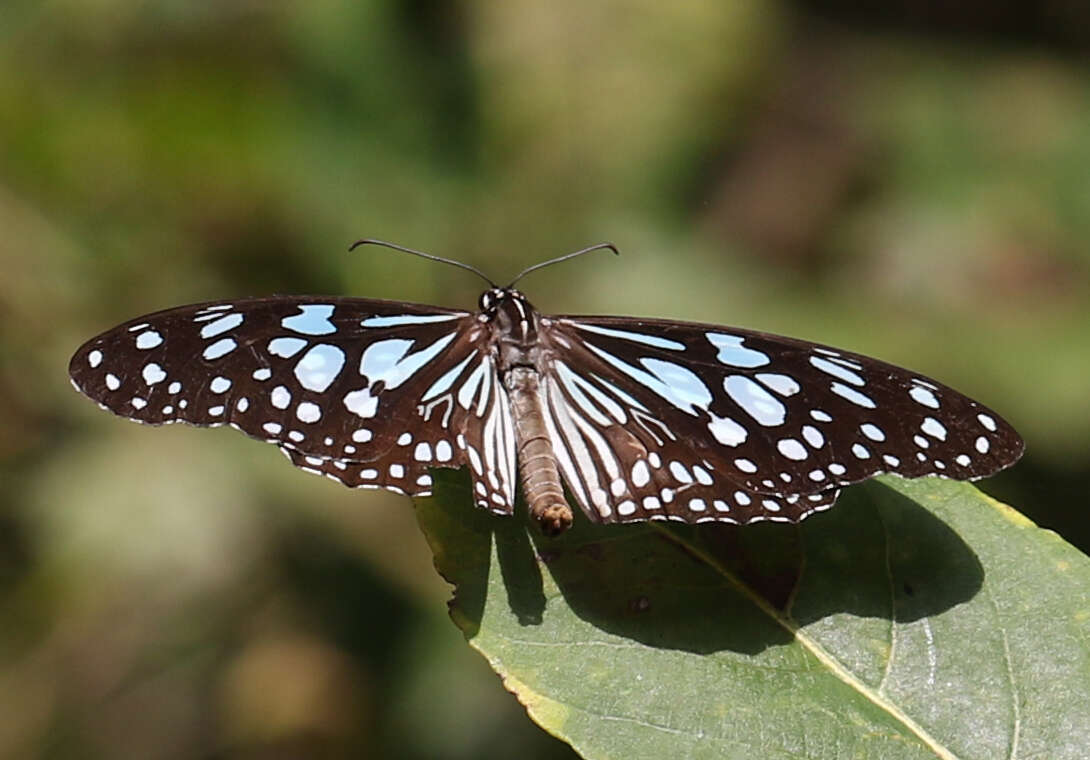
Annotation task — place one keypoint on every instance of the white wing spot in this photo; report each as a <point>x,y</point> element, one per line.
<point>792,449</point>
<point>816,475</point>
<point>397,471</point>
<point>443,452</point>
<point>262,374</point>
<point>813,436</point>
<point>651,503</point>
<point>920,441</point>
<point>362,435</point>
<point>836,370</point>
<point>754,400</point>
<point>319,367</point>
<point>361,403</point>
<point>312,319</point>
<point>404,439</point>
<point>153,373</point>
<point>891,460</point>
<point>308,412</point>
<point>654,459</point>
<point>860,451</point>
<point>296,436</point>
<point>219,384</point>
<point>987,421</point>
<point>923,396</point>
<point>702,476</point>
<point>112,382</point>
<point>626,507</point>
<point>617,487</point>
<point>368,474</point>
<point>820,416</point>
<point>422,452</point>
<point>216,411</point>
<point>782,384</point>
<point>280,397</point>
<point>242,404</point>
<point>727,431</point>
<point>174,387</point>
<point>94,358</point>
<point>286,347</point>
<point>873,432</point>
<point>745,465</point>
<point>934,428</point>
<point>963,459</point>
<point>982,445</point>
<point>148,340</point>
<point>742,498</point>
<point>221,325</point>
<point>220,348</point>
<point>734,354</point>
<point>272,428</point>
<point>680,472</point>
<point>851,394</point>
<point>697,505</point>
<point>837,469</point>
<point>138,403</point>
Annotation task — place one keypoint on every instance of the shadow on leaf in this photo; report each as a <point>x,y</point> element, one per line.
<point>704,588</point>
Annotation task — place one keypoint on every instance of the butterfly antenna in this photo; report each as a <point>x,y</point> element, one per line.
<point>433,257</point>
<point>565,257</point>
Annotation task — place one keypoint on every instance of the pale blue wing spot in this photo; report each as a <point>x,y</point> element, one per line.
<point>148,340</point>
<point>312,319</point>
<point>836,370</point>
<point>727,431</point>
<point>319,367</point>
<point>734,354</point>
<point>647,340</point>
<point>286,347</point>
<point>221,325</point>
<point>923,396</point>
<point>754,400</point>
<point>220,348</point>
<point>407,319</point>
<point>851,394</point>
<point>782,384</point>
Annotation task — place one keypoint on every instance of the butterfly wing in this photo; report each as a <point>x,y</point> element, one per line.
<point>698,422</point>
<point>368,392</point>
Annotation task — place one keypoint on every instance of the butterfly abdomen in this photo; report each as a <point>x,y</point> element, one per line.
<point>537,460</point>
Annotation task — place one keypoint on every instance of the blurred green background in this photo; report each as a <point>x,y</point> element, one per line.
<point>911,182</point>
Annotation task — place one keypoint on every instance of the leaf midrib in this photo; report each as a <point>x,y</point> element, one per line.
<point>828,660</point>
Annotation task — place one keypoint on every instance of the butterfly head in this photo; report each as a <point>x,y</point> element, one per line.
<point>495,301</point>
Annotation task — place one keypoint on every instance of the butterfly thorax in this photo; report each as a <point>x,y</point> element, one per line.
<point>518,357</point>
<point>514,323</point>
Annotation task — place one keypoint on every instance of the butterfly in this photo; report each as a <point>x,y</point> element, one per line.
<point>640,419</point>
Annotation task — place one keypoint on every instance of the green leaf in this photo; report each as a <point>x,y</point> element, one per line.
<point>917,619</point>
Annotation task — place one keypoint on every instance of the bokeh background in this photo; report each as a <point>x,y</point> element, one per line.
<point>905,179</point>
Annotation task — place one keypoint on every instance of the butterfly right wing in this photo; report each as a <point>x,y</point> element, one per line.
<point>369,392</point>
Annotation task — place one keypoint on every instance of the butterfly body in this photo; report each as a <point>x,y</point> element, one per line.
<point>639,418</point>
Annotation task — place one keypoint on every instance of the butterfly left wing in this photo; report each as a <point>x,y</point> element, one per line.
<point>655,418</point>
<point>369,392</point>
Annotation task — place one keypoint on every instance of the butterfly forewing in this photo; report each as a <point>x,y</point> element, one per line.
<point>368,392</point>
<point>706,422</point>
